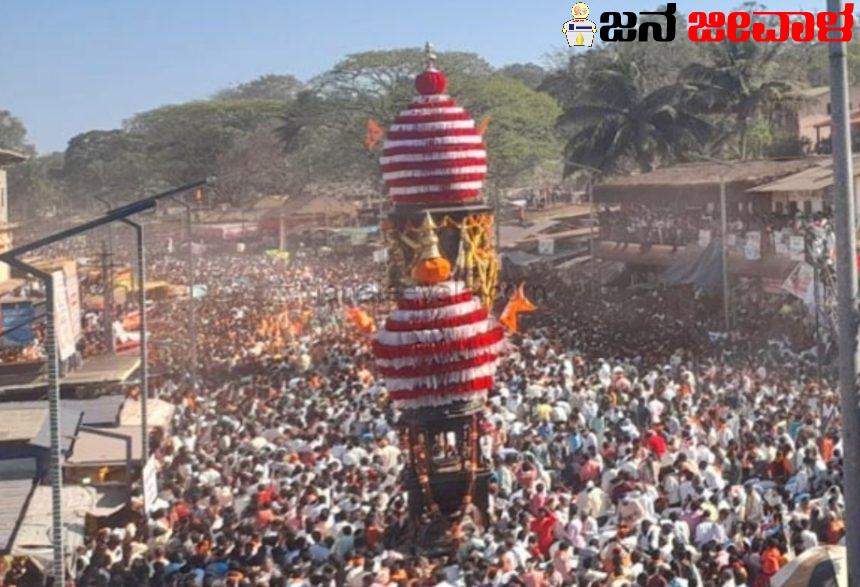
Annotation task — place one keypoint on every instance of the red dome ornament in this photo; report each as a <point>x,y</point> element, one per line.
<point>434,153</point>
<point>431,81</point>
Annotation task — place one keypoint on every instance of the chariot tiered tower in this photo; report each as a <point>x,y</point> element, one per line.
<point>439,349</point>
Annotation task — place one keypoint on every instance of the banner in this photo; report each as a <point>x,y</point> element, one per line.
<point>62,317</point>
<point>17,321</point>
<point>546,246</point>
<point>780,242</point>
<point>278,254</point>
<point>796,248</point>
<point>704,238</point>
<point>800,283</point>
<point>752,246</point>
<point>73,295</point>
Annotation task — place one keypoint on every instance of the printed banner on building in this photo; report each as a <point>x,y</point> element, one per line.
<point>752,246</point>
<point>17,321</point>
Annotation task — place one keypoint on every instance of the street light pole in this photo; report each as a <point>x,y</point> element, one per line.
<point>724,256</point>
<point>53,369</point>
<point>12,257</point>
<point>144,353</point>
<point>192,305</point>
<point>592,220</point>
<point>107,280</point>
<point>846,281</point>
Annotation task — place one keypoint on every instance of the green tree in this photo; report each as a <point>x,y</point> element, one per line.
<point>266,87</point>
<point>13,134</point>
<point>111,161</point>
<point>620,124</point>
<point>185,140</point>
<point>326,124</point>
<point>739,83</point>
<point>530,74</point>
<point>36,187</point>
<point>522,133</point>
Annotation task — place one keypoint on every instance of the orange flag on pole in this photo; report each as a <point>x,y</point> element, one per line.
<point>373,134</point>
<point>482,126</point>
<point>518,303</point>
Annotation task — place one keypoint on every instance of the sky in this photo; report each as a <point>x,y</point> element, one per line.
<point>76,65</point>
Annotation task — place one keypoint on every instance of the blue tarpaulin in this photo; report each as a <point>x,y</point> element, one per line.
<point>17,320</point>
<point>704,270</point>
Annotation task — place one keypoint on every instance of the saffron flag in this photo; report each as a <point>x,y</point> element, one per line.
<point>373,134</point>
<point>362,320</point>
<point>518,303</point>
<point>482,126</point>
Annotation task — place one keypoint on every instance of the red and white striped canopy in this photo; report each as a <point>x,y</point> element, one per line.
<point>433,152</point>
<point>439,346</point>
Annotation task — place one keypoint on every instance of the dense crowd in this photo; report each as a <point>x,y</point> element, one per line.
<point>630,443</point>
<point>656,225</point>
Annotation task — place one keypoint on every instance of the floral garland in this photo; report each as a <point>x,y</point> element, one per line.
<point>476,260</point>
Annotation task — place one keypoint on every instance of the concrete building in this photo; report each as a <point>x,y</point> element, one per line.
<point>807,113</point>
<point>6,158</point>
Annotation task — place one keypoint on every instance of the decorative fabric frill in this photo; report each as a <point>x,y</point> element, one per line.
<point>434,154</point>
<point>439,346</point>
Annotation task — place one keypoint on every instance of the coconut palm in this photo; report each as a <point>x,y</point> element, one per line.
<point>620,124</point>
<point>736,83</point>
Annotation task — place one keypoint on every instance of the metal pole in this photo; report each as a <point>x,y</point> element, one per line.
<point>846,281</point>
<point>282,233</point>
<point>53,368</point>
<point>497,211</point>
<point>144,358</point>
<point>192,310</point>
<point>107,280</point>
<point>107,283</point>
<point>11,257</point>
<point>592,221</point>
<point>192,305</point>
<point>816,289</point>
<point>724,253</point>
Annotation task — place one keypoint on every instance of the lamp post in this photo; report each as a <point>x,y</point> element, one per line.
<point>107,279</point>
<point>724,245</point>
<point>724,256</point>
<point>192,305</point>
<point>144,358</point>
<point>592,220</point>
<point>12,257</point>
<point>846,267</point>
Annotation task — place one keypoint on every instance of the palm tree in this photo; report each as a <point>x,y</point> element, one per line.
<point>619,124</point>
<point>735,84</point>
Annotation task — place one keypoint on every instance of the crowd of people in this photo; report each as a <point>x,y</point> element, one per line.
<point>657,225</point>
<point>630,442</point>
